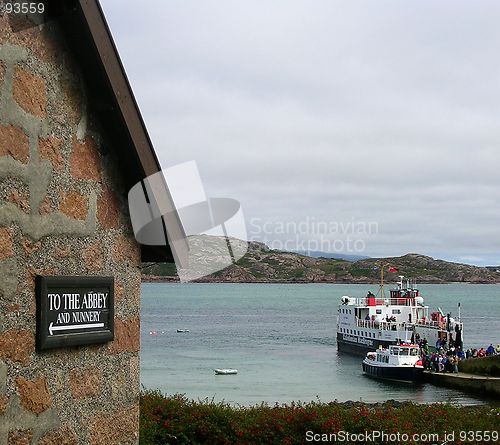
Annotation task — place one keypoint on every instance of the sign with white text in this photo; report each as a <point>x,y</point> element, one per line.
<point>74,311</point>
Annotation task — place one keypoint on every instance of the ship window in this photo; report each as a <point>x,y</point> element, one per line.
<point>378,311</point>
<point>404,351</point>
<point>395,351</point>
<point>414,351</point>
<point>396,311</point>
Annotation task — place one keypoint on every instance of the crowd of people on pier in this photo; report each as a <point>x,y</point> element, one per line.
<point>447,355</point>
<point>482,352</point>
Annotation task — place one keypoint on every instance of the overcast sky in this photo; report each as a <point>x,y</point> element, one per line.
<point>326,113</point>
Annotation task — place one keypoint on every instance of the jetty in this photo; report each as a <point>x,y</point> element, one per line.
<point>482,385</point>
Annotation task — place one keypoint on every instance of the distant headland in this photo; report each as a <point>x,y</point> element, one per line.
<point>264,265</point>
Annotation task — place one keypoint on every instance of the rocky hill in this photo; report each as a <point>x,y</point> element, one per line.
<point>261,264</point>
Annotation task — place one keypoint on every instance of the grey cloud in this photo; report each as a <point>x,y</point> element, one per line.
<point>385,110</point>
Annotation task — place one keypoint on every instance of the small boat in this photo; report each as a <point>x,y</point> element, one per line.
<point>182,330</point>
<point>399,362</point>
<point>227,371</point>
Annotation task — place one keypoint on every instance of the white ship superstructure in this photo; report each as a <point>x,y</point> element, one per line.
<point>365,324</point>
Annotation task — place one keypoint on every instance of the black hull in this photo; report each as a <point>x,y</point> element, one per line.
<point>398,373</point>
<point>352,347</point>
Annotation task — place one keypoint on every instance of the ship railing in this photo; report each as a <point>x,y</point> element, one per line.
<point>383,325</point>
<point>392,326</point>
<point>429,323</point>
<point>366,324</point>
<point>385,301</point>
<point>436,324</point>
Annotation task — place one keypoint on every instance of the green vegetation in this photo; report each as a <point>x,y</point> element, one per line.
<point>298,273</point>
<point>245,261</point>
<point>489,366</point>
<point>333,267</point>
<point>160,269</point>
<point>360,271</point>
<point>176,420</point>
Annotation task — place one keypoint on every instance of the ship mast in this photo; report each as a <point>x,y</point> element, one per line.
<point>381,285</point>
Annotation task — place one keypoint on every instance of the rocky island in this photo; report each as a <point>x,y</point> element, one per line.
<point>264,265</point>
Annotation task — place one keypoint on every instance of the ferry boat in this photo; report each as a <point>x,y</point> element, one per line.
<point>367,324</point>
<point>401,363</point>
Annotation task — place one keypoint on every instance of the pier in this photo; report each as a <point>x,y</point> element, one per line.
<point>477,384</point>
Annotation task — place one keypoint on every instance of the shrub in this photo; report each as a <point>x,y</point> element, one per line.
<point>177,420</point>
<point>489,366</point>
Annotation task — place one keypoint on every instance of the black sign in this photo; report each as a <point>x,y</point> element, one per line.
<point>74,311</point>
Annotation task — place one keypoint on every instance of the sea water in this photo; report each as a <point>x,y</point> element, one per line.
<point>282,340</point>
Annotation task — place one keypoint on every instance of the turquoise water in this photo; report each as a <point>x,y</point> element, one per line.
<point>281,338</point>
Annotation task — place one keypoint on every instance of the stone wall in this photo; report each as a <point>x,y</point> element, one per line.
<point>62,212</point>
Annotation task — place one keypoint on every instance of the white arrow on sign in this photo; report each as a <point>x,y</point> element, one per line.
<point>53,328</point>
